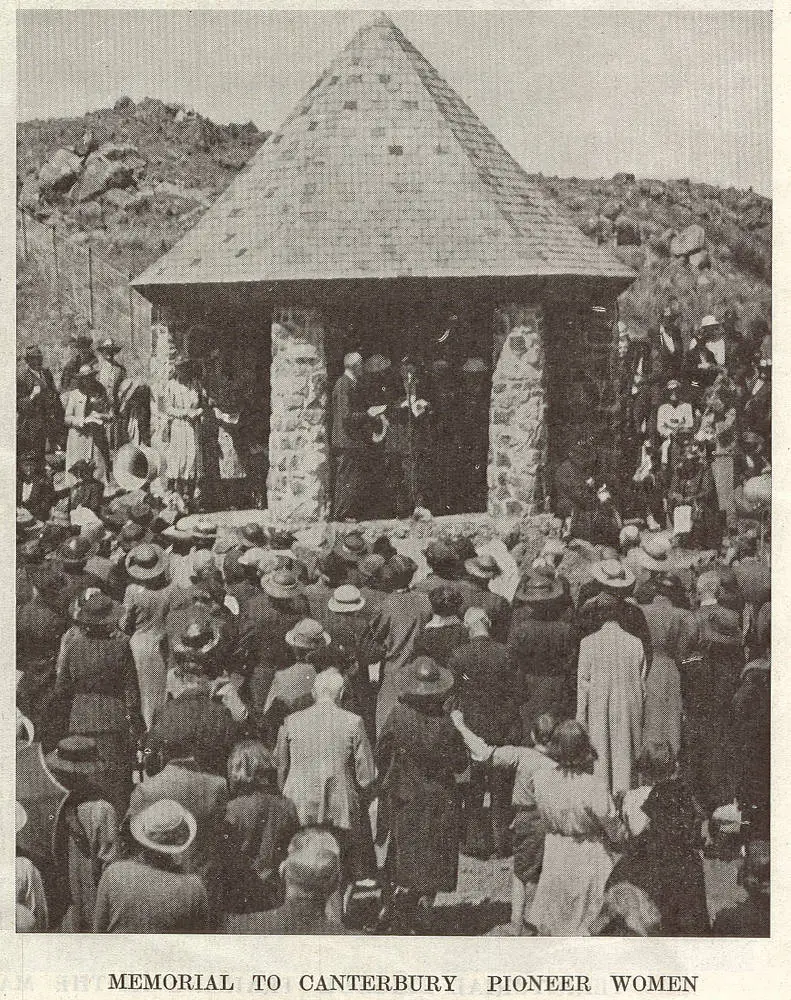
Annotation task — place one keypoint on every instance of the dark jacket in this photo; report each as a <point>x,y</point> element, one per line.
<point>41,497</point>
<point>295,916</point>
<point>418,755</point>
<point>442,642</point>
<point>39,629</point>
<point>137,898</point>
<point>348,415</point>
<point>87,493</point>
<point>545,654</point>
<point>495,606</point>
<point>263,624</point>
<point>486,686</point>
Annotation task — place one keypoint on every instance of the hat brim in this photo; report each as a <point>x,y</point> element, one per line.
<point>294,640</point>
<point>428,689</point>
<point>137,831</point>
<point>279,593</point>
<point>85,768</point>
<point>472,567</point>
<point>341,609</point>
<point>621,583</point>
<point>539,595</point>
<point>191,652</point>
<point>141,572</point>
<point>348,555</point>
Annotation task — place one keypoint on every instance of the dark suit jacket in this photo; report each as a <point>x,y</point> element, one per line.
<point>487,686</point>
<point>194,723</point>
<point>41,498</point>
<point>348,414</point>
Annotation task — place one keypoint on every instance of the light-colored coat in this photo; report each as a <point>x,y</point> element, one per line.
<point>326,757</point>
<point>610,680</point>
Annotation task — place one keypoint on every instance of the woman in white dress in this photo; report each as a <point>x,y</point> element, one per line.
<point>582,825</point>
<point>87,413</point>
<point>184,409</point>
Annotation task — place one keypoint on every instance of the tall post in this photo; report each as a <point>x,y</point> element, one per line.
<point>517,430</point>
<point>90,285</point>
<point>298,448</point>
<point>57,271</point>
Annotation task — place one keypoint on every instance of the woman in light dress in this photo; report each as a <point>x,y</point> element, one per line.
<point>87,413</point>
<point>146,606</point>
<point>583,826</point>
<point>184,409</point>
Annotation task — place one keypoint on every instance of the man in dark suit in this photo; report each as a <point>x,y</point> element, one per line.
<point>348,443</point>
<point>487,686</point>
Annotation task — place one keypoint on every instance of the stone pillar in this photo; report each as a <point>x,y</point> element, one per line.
<point>517,431</point>
<point>297,483</point>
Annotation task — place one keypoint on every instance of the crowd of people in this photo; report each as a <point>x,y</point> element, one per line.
<point>249,734</point>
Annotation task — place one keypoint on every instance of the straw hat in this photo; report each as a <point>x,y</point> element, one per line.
<point>346,599</point>
<point>709,321</point>
<point>165,827</point>
<point>483,567</point>
<point>308,634</point>
<point>77,755</point>
<point>656,544</point>
<point>281,584</point>
<point>425,678</point>
<point>145,562</point>
<point>613,574</point>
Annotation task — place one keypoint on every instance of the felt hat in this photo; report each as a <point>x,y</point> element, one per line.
<point>612,574</point>
<point>475,366</point>
<point>26,524</point>
<point>345,599</point>
<point>308,634</point>
<point>440,555</point>
<point>21,817</point>
<point>94,608</point>
<point>77,755</point>
<point>425,678</point>
<point>252,536</point>
<point>197,641</point>
<point>535,588</point>
<point>351,547</point>
<point>165,827</point>
<point>74,553</point>
<point>145,562</point>
<point>281,584</point>
<point>483,567</point>
<point>709,322</point>
<point>131,535</point>
<point>108,347</point>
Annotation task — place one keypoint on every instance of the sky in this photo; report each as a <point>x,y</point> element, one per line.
<point>665,94</point>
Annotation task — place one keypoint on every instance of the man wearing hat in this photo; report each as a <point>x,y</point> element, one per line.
<point>351,548</point>
<point>611,577</point>
<point>50,400</point>
<point>349,441</point>
<point>406,442</point>
<point>86,831</point>
<point>707,355</point>
<point>481,570</point>
<point>82,354</point>
<point>543,645</point>
<point>291,686</point>
<point>269,614</point>
<point>34,489</point>
<point>150,893</point>
<point>110,375</point>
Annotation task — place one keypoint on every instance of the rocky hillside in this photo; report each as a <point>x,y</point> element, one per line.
<point>133,178</point>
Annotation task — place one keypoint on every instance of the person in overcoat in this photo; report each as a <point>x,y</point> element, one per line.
<point>610,678</point>
<point>349,446</point>
<point>418,755</point>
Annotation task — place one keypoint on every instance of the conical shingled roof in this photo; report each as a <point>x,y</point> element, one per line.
<point>381,171</point>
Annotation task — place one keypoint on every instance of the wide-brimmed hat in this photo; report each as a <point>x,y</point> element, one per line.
<point>709,321</point>
<point>204,531</point>
<point>108,346</point>
<point>425,678</point>
<point>21,817</point>
<point>484,567</point>
<point>346,598</point>
<point>613,574</point>
<point>131,535</point>
<point>76,755</point>
<point>74,553</point>
<point>351,547</point>
<point>536,587</point>
<point>94,607</point>
<point>165,827</point>
<point>197,641</point>
<point>252,536</point>
<point>656,544</point>
<point>145,562</point>
<point>475,366</point>
<point>308,634</point>
<point>281,584</point>
<point>26,524</point>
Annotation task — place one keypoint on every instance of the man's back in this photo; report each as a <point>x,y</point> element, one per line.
<point>135,898</point>
<point>487,684</point>
<point>295,916</point>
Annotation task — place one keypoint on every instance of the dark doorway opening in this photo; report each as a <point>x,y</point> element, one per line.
<point>438,343</point>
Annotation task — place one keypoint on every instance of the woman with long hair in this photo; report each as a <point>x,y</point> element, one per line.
<point>582,825</point>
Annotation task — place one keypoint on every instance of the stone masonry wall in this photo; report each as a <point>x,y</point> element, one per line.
<point>297,484</point>
<point>517,428</point>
